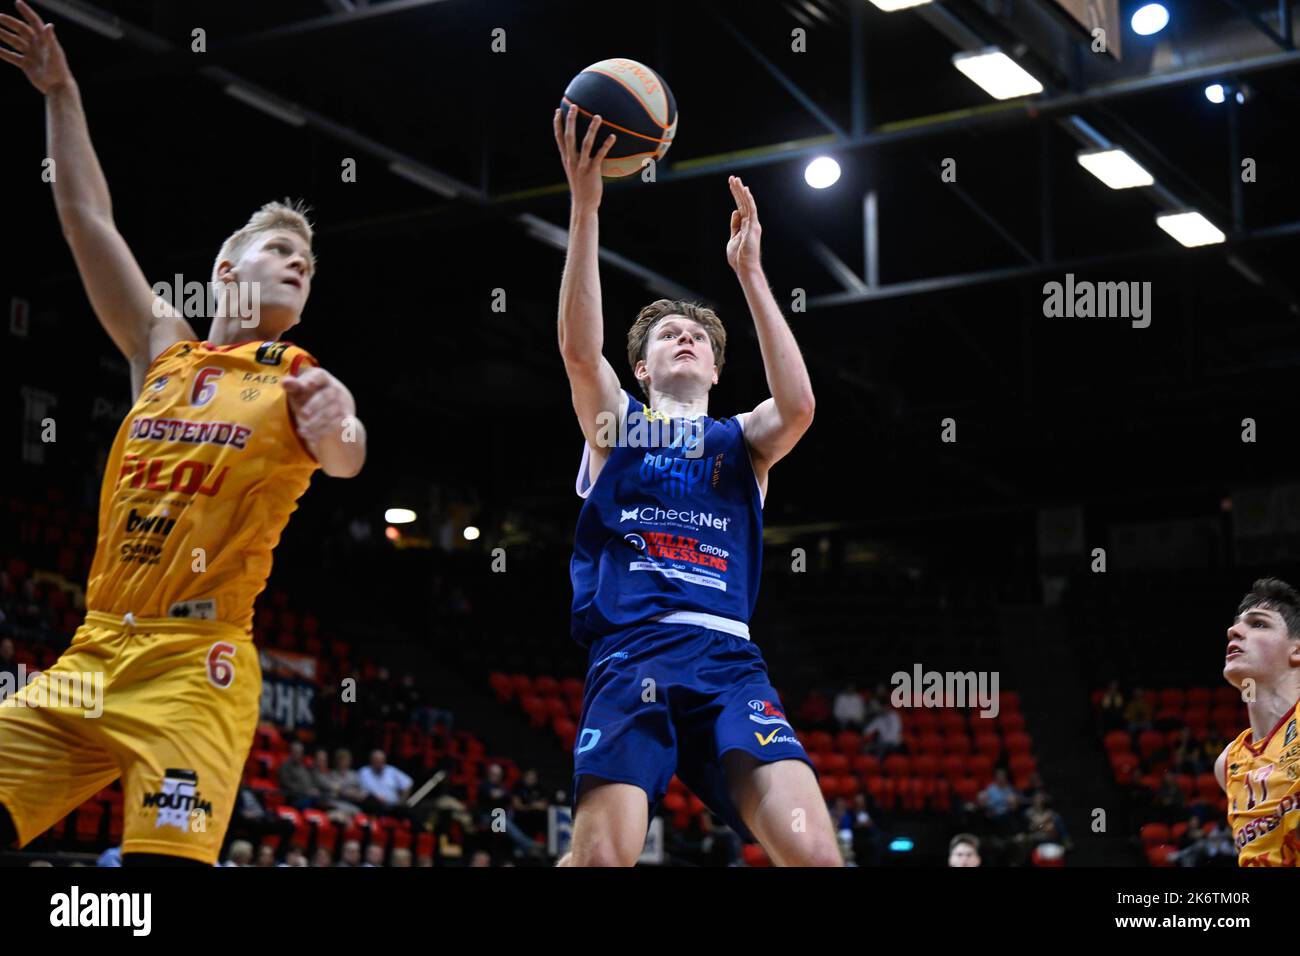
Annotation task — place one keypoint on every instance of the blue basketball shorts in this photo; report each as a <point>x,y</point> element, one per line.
<point>670,697</point>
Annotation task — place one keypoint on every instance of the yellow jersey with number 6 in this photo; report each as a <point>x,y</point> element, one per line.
<point>1263,785</point>
<point>201,480</point>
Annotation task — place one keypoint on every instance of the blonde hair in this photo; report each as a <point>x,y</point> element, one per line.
<point>290,215</point>
<point>639,335</point>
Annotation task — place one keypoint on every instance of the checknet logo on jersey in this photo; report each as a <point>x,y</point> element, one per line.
<point>60,689</point>
<point>653,514</point>
<point>74,909</point>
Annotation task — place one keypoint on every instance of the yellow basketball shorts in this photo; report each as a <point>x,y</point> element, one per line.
<point>169,705</point>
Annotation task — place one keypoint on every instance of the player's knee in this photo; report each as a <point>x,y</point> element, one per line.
<point>820,851</point>
<point>602,852</point>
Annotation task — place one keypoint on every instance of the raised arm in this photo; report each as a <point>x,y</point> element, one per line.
<point>141,324</point>
<point>592,379</point>
<point>777,423</point>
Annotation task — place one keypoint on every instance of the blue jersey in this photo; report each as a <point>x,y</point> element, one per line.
<point>671,530</point>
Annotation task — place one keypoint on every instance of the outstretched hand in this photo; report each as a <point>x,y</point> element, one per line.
<point>581,166</point>
<point>743,246</point>
<point>30,45</point>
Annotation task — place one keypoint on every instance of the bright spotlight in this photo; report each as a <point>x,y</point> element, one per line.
<point>1214,93</point>
<point>399,515</point>
<point>1150,18</point>
<point>471,533</point>
<point>822,172</point>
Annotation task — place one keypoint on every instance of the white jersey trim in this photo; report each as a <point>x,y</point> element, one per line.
<point>740,419</point>
<point>712,621</point>
<point>584,466</point>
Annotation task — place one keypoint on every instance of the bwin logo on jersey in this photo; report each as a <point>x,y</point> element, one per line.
<point>177,799</point>
<point>765,712</point>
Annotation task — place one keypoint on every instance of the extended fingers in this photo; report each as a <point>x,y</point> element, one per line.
<point>590,138</point>
<point>18,27</point>
<point>19,43</point>
<point>30,15</point>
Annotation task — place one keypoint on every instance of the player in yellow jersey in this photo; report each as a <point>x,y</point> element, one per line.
<point>161,685</point>
<point>1260,770</point>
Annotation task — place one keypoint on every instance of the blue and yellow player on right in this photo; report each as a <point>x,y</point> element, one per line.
<point>1260,770</point>
<point>667,556</point>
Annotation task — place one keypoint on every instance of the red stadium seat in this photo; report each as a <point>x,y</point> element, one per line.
<point>1118,742</point>
<point>1018,743</point>
<point>1171,698</point>
<point>1197,718</point>
<point>990,745</point>
<point>546,686</point>
<point>957,743</point>
<point>836,763</point>
<point>1162,855</point>
<point>1011,721</point>
<point>89,817</point>
<point>848,743</point>
<point>865,765</point>
<point>883,790</point>
<point>1149,741</point>
<point>930,743</point>
<point>820,741</point>
<point>898,765</point>
<point>967,788</point>
<point>754,855</point>
<point>925,766</point>
<point>1009,700</point>
<point>981,768</point>
<point>501,686</point>
<point>1153,834</point>
<point>1124,767</point>
<point>1207,787</point>
<point>954,766</point>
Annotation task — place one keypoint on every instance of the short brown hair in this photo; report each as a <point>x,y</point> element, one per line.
<point>639,334</point>
<point>970,839</point>
<point>1274,594</point>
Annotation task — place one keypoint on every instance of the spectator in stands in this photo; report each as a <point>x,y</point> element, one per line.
<point>8,664</point>
<point>322,857</point>
<point>386,787</point>
<point>481,858</point>
<point>266,855</point>
<point>241,853</point>
<point>110,857</point>
<point>1211,846</point>
<point>884,732</point>
<point>401,858</point>
<point>296,779</point>
<point>294,857</point>
<point>1000,801</point>
<point>964,850</point>
<point>496,810</point>
<point>424,860</point>
<point>1187,754</point>
<point>529,802</point>
<point>1170,801</point>
<point>850,710</point>
<point>1112,708</point>
<point>868,840</point>
<point>351,855</point>
<point>1045,828</point>
<point>330,785</point>
<point>344,781</point>
<point>449,830</point>
<point>252,818</point>
<point>1138,712</point>
<point>374,855</point>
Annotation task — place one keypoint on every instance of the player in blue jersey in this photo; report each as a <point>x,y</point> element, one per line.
<point>667,555</point>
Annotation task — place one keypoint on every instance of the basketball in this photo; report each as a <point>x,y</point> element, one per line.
<point>634,103</point>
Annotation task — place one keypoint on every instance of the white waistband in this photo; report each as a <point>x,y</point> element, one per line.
<point>712,621</point>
